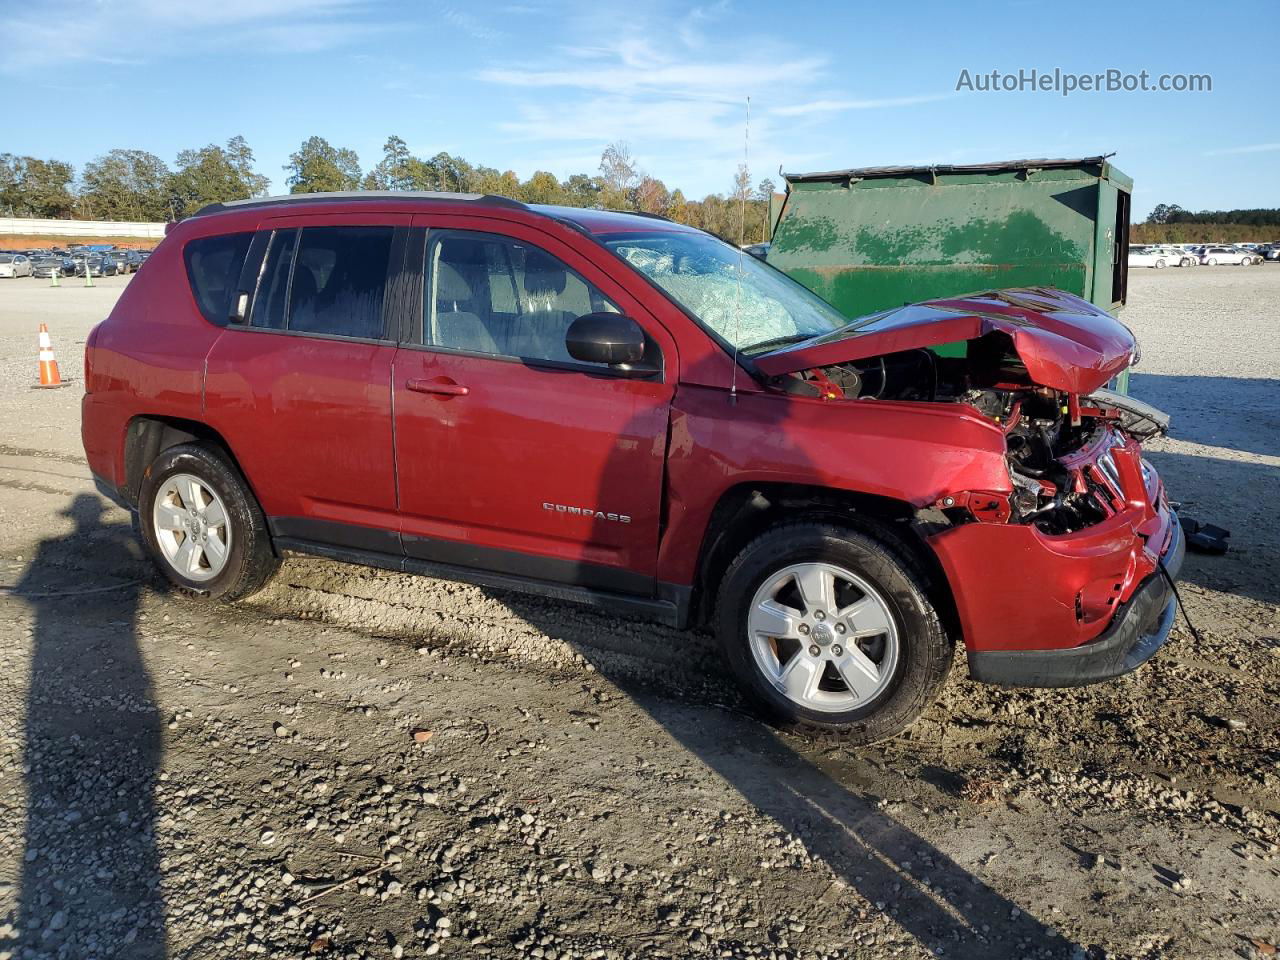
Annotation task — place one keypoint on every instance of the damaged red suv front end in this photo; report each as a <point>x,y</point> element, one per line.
<point>1064,575</point>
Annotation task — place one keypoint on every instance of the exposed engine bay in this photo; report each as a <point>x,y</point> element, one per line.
<point>1058,444</point>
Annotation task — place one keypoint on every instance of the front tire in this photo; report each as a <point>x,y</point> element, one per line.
<point>829,627</point>
<point>1159,264</point>
<point>202,525</point>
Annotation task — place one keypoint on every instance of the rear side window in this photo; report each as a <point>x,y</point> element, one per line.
<point>213,269</point>
<point>326,280</point>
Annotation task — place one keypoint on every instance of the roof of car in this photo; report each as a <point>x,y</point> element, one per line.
<point>591,220</point>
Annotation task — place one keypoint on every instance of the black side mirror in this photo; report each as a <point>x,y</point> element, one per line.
<point>605,338</point>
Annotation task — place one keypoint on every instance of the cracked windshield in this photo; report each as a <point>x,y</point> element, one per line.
<point>750,305</point>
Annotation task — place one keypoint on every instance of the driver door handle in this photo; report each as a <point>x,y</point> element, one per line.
<point>441,386</point>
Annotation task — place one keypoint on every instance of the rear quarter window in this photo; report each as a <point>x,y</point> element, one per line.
<point>213,269</point>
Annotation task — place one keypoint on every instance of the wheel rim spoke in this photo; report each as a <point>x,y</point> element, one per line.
<point>213,514</point>
<point>818,587</point>
<point>866,617</point>
<point>191,493</point>
<point>215,551</point>
<point>168,517</point>
<point>801,675</point>
<point>771,619</point>
<point>187,558</point>
<point>859,672</point>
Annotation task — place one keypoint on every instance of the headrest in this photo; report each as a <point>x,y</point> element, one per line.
<point>451,284</point>
<point>543,276</point>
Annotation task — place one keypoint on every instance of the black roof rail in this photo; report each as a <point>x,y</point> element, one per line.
<point>254,202</point>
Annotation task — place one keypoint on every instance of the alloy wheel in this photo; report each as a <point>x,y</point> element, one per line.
<point>823,636</point>
<point>191,527</point>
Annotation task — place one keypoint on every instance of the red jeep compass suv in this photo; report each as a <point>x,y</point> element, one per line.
<point>626,412</point>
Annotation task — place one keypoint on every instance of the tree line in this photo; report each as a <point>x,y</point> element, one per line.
<point>1170,223</point>
<point>1169,213</point>
<point>134,185</point>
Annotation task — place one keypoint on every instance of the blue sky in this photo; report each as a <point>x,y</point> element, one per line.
<point>530,85</point>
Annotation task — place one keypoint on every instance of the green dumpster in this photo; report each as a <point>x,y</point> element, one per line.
<point>878,237</point>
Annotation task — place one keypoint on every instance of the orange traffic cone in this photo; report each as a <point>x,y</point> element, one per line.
<point>49,376</point>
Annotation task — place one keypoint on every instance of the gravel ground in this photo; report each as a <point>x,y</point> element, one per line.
<point>362,764</point>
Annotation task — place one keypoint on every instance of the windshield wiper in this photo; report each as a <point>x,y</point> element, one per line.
<point>779,342</point>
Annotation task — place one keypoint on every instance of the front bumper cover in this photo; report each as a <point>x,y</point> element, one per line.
<point>1140,628</point>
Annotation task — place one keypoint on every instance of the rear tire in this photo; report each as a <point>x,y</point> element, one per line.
<point>202,524</point>
<point>891,643</point>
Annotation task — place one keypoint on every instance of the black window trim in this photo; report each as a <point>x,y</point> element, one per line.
<point>414,326</point>
<point>393,282</point>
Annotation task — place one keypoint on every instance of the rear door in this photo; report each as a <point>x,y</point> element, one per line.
<point>302,386</point>
<point>512,457</point>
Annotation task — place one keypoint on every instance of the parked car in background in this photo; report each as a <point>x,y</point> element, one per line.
<point>133,259</point>
<point>1148,256</point>
<point>97,265</point>
<point>1177,257</point>
<point>1216,256</point>
<point>841,512</point>
<point>46,267</point>
<point>15,265</point>
<point>1272,252</point>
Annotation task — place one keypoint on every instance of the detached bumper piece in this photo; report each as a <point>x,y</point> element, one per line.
<point>1205,537</point>
<point>1140,628</point>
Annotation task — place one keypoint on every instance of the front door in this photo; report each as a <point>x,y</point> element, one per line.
<point>512,456</point>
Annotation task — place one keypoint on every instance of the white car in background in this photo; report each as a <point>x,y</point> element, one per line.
<point>15,265</point>
<point>1213,256</point>
<point>1150,256</point>
<point>1177,257</point>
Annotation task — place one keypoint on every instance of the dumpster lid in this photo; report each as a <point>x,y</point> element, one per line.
<point>866,173</point>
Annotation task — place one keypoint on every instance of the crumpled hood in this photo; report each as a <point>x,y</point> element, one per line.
<point>1065,342</point>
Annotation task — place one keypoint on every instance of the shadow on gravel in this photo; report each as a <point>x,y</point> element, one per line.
<point>90,884</point>
<point>1234,413</point>
<point>931,897</point>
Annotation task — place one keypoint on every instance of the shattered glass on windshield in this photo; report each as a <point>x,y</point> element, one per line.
<point>747,303</point>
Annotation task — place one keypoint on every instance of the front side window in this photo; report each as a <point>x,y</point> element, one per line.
<point>213,269</point>
<point>325,280</point>
<point>500,296</point>
<point>748,304</point>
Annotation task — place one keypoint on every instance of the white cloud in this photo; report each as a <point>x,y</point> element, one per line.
<point>472,26</point>
<point>1254,148</point>
<point>129,32</point>
<point>839,106</point>
<point>673,81</point>
<point>633,67</point>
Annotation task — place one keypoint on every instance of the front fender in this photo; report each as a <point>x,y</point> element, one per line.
<point>917,453</point>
